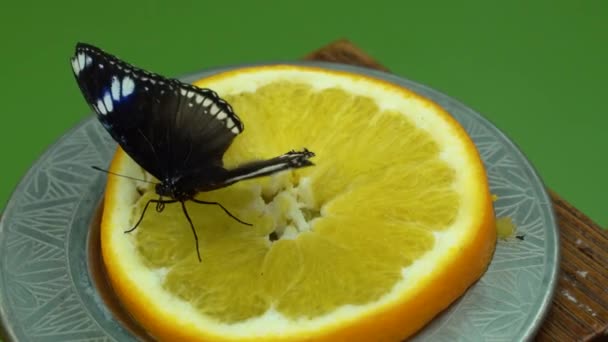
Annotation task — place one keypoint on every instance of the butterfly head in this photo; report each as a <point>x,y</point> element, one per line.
<point>174,191</point>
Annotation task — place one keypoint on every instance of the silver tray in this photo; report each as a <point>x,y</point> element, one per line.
<point>48,292</point>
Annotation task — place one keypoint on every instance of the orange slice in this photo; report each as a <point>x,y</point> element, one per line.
<point>392,224</point>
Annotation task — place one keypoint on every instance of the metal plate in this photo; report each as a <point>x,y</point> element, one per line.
<point>47,291</point>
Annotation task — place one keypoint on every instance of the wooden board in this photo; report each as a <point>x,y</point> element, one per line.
<point>579,311</point>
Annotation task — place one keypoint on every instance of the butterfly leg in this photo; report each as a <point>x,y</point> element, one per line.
<point>160,204</point>
<point>224,209</point>
<point>198,252</point>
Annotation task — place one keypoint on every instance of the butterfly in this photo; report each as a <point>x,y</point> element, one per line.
<point>175,131</point>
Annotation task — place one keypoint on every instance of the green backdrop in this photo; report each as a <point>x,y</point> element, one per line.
<point>537,69</point>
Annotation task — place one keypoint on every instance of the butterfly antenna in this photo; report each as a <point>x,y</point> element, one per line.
<point>198,252</point>
<point>124,176</point>
<point>223,208</point>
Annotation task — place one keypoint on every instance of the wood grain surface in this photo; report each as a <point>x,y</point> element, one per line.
<point>579,311</point>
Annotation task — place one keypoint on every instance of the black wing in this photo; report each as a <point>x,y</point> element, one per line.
<point>166,126</point>
<point>215,178</point>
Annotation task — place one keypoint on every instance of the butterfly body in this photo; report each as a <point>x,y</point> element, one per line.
<point>175,131</point>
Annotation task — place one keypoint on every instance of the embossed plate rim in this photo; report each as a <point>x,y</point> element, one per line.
<point>549,276</point>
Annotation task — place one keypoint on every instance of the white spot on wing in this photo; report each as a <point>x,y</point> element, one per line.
<point>100,66</point>
<point>182,92</point>
<point>190,94</point>
<point>207,101</point>
<point>261,171</point>
<point>199,99</point>
<point>81,60</point>
<point>88,60</point>
<point>127,86</point>
<point>229,123</point>
<point>75,66</point>
<point>115,88</point>
<point>101,107</point>
<point>222,115</point>
<point>214,109</point>
<point>190,104</point>
<point>235,130</point>
<point>107,100</point>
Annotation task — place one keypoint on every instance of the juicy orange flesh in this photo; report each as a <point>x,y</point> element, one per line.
<point>370,205</point>
<point>505,228</point>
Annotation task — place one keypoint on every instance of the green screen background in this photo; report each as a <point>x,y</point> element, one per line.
<point>537,69</point>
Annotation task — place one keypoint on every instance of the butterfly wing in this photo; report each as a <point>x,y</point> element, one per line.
<point>165,125</point>
<point>255,169</point>
<point>214,178</point>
